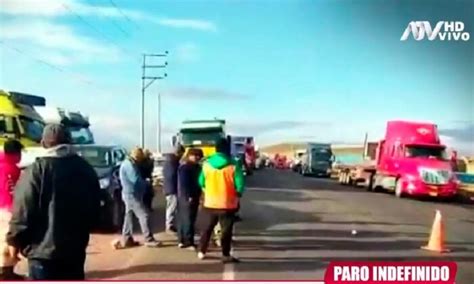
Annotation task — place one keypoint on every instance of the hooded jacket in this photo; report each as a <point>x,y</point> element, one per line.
<point>57,201</point>
<point>9,174</point>
<point>222,181</point>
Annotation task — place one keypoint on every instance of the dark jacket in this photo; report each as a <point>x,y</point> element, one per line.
<point>188,181</point>
<point>146,168</point>
<point>170,175</point>
<point>56,202</point>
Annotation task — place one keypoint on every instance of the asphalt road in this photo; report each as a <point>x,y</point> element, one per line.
<point>293,227</point>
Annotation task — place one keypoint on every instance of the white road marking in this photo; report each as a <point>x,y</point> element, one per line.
<point>229,272</point>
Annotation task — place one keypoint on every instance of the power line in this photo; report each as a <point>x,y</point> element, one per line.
<point>75,76</point>
<point>123,14</point>
<point>106,38</point>
<point>123,31</point>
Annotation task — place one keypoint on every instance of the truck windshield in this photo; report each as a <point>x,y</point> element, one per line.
<point>81,135</point>
<point>425,152</point>
<point>95,156</point>
<point>321,154</point>
<point>33,129</point>
<point>239,148</point>
<point>201,137</point>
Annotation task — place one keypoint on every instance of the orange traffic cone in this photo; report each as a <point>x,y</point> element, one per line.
<point>436,242</point>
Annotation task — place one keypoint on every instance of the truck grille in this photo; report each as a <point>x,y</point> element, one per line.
<point>432,176</point>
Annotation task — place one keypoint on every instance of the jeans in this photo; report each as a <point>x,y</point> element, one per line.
<point>171,210</point>
<point>148,197</point>
<point>135,206</point>
<point>64,269</point>
<point>187,213</point>
<point>225,218</point>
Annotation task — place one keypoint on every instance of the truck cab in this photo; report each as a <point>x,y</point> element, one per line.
<point>77,123</point>
<point>317,160</point>
<point>202,134</point>
<point>412,161</point>
<point>18,118</point>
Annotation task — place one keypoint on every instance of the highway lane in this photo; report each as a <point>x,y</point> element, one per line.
<point>293,226</point>
<point>305,222</point>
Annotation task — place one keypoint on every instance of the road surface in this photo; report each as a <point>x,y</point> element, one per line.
<point>293,227</point>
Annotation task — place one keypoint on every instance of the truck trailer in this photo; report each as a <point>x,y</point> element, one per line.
<point>409,161</point>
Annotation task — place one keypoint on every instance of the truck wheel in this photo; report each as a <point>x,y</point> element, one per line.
<point>347,180</point>
<point>398,189</point>
<point>370,185</point>
<point>342,177</point>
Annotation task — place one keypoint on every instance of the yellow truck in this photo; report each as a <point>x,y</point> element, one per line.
<point>202,134</point>
<point>18,118</point>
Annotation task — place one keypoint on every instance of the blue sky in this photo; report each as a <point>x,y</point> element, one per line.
<point>280,70</point>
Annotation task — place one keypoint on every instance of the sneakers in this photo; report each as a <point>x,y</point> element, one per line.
<point>118,244</point>
<point>152,244</point>
<point>229,259</point>
<point>201,255</point>
<point>188,247</point>
<point>191,248</point>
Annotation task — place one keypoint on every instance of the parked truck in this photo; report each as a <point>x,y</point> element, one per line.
<point>202,134</point>
<point>18,118</point>
<point>317,160</point>
<point>357,169</point>
<point>76,122</point>
<point>410,160</point>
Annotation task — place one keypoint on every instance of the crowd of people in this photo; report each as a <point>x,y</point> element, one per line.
<point>47,214</point>
<point>217,183</point>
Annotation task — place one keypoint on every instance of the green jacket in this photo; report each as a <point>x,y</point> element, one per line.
<point>220,161</point>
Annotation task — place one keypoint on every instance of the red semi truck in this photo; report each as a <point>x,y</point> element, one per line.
<point>409,161</point>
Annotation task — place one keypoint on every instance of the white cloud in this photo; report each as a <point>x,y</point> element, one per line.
<point>188,52</point>
<point>57,44</point>
<point>202,93</point>
<point>113,128</point>
<point>195,24</point>
<point>57,8</point>
<point>33,7</point>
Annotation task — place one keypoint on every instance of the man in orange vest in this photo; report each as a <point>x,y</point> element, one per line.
<point>222,182</point>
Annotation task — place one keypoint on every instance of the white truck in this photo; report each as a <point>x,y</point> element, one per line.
<point>77,123</point>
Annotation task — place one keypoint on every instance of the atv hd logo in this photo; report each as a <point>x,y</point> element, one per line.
<point>444,31</point>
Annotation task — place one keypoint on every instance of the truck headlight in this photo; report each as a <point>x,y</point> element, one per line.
<point>104,182</point>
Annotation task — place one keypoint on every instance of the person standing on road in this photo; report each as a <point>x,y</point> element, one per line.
<point>189,194</point>
<point>170,186</point>
<point>222,182</point>
<point>133,191</point>
<point>56,204</point>
<point>9,175</point>
<point>146,171</point>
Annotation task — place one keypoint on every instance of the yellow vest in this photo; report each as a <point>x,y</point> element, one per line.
<point>220,191</point>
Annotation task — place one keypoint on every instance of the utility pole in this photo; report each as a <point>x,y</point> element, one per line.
<point>146,82</point>
<point>159,124</point>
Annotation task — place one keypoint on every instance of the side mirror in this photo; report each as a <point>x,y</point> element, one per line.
<point>174,140</point>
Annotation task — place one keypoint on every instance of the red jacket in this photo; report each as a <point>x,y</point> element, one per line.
<point>9,175</point>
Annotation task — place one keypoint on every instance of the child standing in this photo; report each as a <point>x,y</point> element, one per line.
<point>9,175</point>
